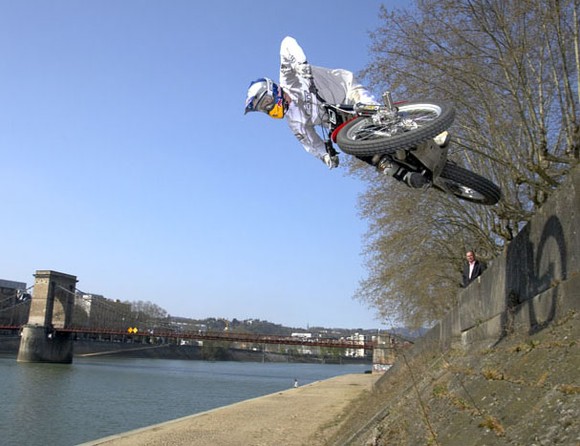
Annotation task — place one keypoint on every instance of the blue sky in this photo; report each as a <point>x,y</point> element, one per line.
<point>128,162</point>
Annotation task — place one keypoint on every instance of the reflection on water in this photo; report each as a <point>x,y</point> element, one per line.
<point>54,404</point>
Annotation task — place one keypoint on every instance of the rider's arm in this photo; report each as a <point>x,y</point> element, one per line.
<point>292,62</point>
<point>306,134</point>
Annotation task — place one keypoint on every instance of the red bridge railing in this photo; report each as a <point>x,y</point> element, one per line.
<point>219,336</point>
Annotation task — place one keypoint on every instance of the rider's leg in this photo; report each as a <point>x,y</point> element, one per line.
<point>415,180</point>
<point>387,166</point>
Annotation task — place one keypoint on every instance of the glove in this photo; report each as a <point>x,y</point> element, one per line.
<point>303,70</point>
<point>330,161</point>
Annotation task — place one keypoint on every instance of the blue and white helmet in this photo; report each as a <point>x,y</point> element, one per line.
<point>266,96</point>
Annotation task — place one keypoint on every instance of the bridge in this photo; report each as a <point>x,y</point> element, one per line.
<point>59,314</point>
<point>234,337</point>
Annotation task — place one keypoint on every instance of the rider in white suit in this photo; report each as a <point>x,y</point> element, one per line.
<point>299,96</point>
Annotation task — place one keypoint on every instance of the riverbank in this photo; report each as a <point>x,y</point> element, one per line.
<point>9,344</point>
<point>306,415</point>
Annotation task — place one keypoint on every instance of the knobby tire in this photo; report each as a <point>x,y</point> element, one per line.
<point>362,137</point>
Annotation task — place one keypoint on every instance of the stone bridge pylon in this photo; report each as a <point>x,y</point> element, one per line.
<point>51,307</point>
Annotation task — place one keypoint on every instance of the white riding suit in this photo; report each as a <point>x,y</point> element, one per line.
<point>335,86</point>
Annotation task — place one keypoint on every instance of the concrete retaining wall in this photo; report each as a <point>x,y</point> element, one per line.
<point>535,281</point>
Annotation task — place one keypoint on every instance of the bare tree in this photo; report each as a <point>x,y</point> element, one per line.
<point>148,309</point>
<point>512,71</point>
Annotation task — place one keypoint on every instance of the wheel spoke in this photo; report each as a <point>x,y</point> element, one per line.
<point>468,185</point>
<point>411,120</point>
<point>382,134</point>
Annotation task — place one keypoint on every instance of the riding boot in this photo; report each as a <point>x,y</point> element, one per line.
<point>412,179</point>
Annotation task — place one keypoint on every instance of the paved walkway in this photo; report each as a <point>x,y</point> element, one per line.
<point>305,415</point>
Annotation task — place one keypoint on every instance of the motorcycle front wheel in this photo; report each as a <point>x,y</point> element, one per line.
<point>467,185</point>
<point>415,122</point>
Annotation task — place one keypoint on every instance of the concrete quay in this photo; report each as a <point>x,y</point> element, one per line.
<point>306,415</point>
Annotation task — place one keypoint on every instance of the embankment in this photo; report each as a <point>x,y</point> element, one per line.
<point>504,366</point>
<point>89,348</point>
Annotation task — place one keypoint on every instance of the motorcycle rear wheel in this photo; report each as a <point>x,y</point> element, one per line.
<point>363,137</point>
<point>467,185</point>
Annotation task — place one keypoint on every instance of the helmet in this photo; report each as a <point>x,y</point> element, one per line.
<point>266,96</point>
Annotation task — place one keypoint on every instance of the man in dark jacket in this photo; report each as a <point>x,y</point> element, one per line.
<point>473,269</point>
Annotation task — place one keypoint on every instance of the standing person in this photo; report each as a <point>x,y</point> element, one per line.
<point>473,269</point>
<point>299,96</point>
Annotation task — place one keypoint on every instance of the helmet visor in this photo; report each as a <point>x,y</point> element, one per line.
<point>264,103</point>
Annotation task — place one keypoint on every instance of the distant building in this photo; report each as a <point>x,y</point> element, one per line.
<point>357,352</point>
<point>302,335</point>
<point>302,349</point>
<point>11,285</point>
<point>14,303</point>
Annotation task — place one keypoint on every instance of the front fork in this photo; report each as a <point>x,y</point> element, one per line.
<point>387,110</point>
<point>388,101</point>
<point>330,148</point>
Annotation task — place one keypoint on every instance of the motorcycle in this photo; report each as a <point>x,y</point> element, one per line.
<point>402,134</point>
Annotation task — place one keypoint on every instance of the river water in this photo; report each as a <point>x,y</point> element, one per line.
<point>62,405</point>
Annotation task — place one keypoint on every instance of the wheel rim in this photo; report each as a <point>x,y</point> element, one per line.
<point>410,117</point>
<point>464,192</point>
<point>423,113</point>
